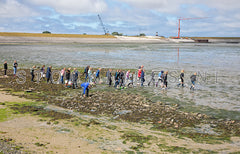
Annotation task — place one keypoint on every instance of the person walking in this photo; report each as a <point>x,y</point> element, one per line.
<point>49,74</point>
<point>160,78</point>
<point>90,75</point>
<point>121,77</point>
<point>131,79</point>
<point>15,65</point>
<point>75,78</point>
<point>62,73</point>
<point>98,75</point>
<point>165,83</point>
<point>86,72</point>
<point>32,73</point>
<point>193,80</point>
<point>109,77</point>
<point>127,75</point>
<point>117,75</point>
<point>42,72</point>
<point>152,79</point>
<point>181,78</point>
<point>5,66</point>
<point>68,75</point>
<point>142,76</point>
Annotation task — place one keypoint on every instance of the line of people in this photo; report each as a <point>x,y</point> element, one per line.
<point>122,80</point>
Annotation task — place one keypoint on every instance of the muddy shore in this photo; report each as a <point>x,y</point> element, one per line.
<point>117,105</point>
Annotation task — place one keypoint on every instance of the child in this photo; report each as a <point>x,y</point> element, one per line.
<point>165,79</point>
<point>193,80</point>
<point>42,71</point>
<point>160,78</point>
<point>181,78</point>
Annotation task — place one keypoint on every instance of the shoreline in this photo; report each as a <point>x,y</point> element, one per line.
<point>14,38</point>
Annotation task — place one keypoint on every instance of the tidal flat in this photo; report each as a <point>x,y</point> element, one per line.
<point>130,120</point>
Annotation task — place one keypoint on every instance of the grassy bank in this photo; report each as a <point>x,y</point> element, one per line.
<point>15,34</point>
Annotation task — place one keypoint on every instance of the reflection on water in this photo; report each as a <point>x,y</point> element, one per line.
<point>218,65</point>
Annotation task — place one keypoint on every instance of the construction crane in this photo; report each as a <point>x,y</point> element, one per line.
<point>106,32</point>
<point>179,20</point>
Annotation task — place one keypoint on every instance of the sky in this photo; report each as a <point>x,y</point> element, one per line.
<point>130,17</point>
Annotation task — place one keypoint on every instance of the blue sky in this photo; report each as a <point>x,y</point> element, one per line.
<point>129,17</point>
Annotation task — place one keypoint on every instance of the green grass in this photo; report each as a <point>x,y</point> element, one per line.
<point>3,114</point>
<point>205,138</point>
<point>132,136</point>
<point>173,149</point>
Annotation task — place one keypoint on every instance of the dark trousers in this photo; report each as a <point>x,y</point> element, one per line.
<point>110,82</point>
<point>32,76</point>
<point>49,79</point>
<point>116,83</point>
<point>142,81</point>
<point>165,83</point>
<point>5,72</point>
<point>86,77</point>
<point>86,92</point>
<point>74,86</point>
<point>153,81</point>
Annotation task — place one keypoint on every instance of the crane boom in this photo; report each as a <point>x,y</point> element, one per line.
<point>179,20</point>
<point>104,29</point>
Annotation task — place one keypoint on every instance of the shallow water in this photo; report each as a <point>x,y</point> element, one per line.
<point>217,65</point>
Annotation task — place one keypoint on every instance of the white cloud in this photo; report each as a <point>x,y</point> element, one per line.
<point>224,5</point>
<point>12,8</point>
<point>166,6</point>
<point>174,6</point>
<point>73,6</point>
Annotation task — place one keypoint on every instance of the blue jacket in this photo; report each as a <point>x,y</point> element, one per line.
<point>48,74</point>
<point>85,86</point>
<point>97,74</point>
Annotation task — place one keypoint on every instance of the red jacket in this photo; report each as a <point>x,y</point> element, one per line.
<point>139,73</point>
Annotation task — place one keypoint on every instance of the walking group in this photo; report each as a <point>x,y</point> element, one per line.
<point>122,79</point>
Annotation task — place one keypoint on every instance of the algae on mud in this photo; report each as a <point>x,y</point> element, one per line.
<point>129,105</point>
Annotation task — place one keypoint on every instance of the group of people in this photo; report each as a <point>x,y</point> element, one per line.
<point>121,78</point>
<point>71,78</point>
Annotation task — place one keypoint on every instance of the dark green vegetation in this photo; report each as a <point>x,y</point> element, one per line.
<point>38,110</point>
<point>132,136</point>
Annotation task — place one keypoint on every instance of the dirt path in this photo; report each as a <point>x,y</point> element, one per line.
<point>4,97</point>
<point>35,135</point>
